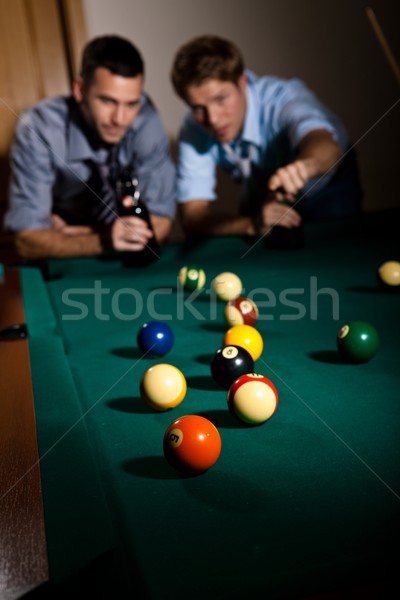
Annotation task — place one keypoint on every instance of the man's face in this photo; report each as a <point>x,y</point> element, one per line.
<point>110,103</point>
<point>219,106</point>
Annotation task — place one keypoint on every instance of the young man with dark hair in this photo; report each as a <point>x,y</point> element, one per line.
<point>68,152</point>
<point>272,135</point>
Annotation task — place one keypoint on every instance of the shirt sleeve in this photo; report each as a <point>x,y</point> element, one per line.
<point>149,151</point>
<point>300,111</point>
<point>32,178</point>
<point>196,164</point>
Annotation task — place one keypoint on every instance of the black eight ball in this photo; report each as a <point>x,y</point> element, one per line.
<point>229,363</point>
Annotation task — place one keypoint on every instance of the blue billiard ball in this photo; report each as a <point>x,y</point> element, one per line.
<point>155,338</point>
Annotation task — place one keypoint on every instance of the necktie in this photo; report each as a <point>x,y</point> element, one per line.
<point>105,210</point>
<point>240,157</point>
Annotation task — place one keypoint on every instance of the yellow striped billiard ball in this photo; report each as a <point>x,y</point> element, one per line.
<point>163,386</point>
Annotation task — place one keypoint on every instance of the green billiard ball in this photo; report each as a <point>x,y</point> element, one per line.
<point>358,341</point>
<point>191,278</point>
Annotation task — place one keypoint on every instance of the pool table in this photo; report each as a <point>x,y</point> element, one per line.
<point>305,504</point>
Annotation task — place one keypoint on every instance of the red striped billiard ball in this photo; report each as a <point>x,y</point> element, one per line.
<point>192,444</point>
<point>253,399</point>
<point>241,311</point>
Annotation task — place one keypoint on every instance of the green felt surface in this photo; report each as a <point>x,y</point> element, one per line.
<point>307,501</point>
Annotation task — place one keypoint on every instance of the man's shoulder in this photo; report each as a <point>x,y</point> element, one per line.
<point>271,85</point>
<point>147,129</point>
<point>47,114</point>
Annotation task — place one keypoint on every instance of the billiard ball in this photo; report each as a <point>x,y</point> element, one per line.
<point>358,341</point>
<point>155,338</point>
<point>192,278</point>
<point>227,286</point>
<point>228,363</point>
<point>241,311</point>
<point>246,336</point>
<point>163,386</point>
<point>192,444</point>
<point>253,399</point>
<point>389,273</point>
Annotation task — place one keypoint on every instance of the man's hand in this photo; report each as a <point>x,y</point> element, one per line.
<point>291,178</point>
<point>130,234</point>
<point>318,153</point>
<point>277,213</point>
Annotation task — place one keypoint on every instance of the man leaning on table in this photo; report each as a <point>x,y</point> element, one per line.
<point>271,135</point>
<point>67,153</point>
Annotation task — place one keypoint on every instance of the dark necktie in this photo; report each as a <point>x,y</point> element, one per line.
<point>105,209</point>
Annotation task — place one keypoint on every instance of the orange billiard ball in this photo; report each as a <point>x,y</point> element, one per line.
<point>192,444</point>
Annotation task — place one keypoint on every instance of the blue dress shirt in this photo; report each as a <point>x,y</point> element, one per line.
<point>52,163</point>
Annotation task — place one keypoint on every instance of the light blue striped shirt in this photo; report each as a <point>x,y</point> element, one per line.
<point>279,114</point>
<point>52,163</point>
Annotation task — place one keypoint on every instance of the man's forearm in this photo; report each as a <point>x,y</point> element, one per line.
<point>320,151</point>
<point>48,243</point>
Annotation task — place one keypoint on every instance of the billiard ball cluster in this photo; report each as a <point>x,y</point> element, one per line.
<point>191,443</point>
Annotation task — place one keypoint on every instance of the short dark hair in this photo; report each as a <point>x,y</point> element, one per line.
<point>203,58</point>
<point>114,53</point>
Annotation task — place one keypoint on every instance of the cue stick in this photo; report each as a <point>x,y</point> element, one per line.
<point>383,42</point>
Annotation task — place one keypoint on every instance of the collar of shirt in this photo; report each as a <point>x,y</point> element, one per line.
<point>79,147</point>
